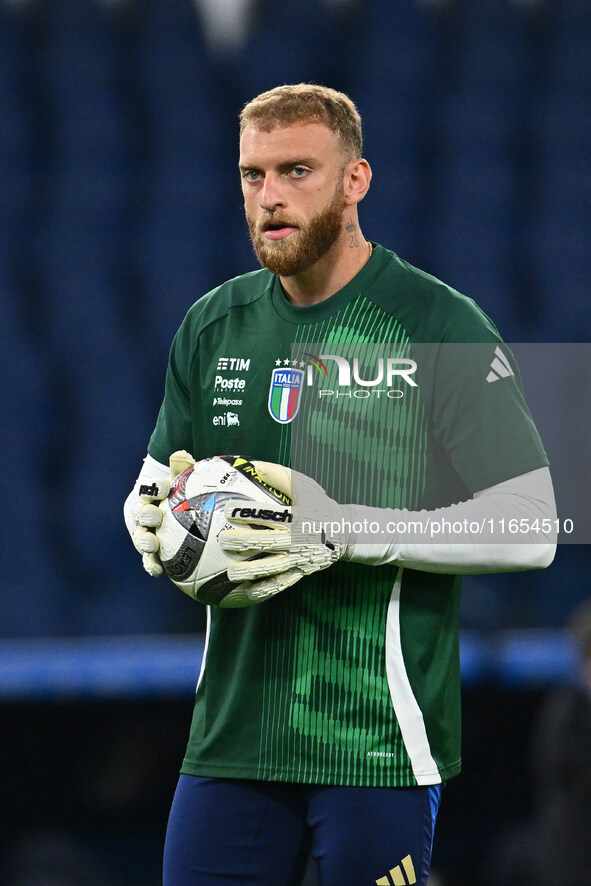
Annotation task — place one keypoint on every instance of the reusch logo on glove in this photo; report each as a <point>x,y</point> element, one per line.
<point>149,490</point>
<point>263,514</point>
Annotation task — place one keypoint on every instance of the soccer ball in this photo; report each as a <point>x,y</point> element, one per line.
<point>193,517</point>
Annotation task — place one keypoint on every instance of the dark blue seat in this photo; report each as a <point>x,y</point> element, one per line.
<point>296,42</point>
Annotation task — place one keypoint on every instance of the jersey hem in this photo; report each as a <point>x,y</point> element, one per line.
<point>424,779</point>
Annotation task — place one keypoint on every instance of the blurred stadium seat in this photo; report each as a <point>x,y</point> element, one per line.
<point>120,206</point>
<point>397,119</point>
<point>558,233</point>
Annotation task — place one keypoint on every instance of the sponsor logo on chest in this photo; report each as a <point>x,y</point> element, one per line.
<point>387,377</point>
<point>229,384</point>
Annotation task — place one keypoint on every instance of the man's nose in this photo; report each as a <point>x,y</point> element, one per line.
<point>271,195</point>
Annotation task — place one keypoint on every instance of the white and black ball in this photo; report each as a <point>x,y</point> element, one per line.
<point>192,519</point>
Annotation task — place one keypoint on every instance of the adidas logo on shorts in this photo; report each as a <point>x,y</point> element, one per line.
<point>396,877</point>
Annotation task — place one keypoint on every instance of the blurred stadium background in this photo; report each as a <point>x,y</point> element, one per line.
<point>120,206</point>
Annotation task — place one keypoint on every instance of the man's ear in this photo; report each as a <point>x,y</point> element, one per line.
<point>357,176</point>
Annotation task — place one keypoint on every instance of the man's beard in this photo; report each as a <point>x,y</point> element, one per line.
<point>299,251</point>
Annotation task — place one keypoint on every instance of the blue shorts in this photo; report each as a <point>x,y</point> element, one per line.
<point>225,832</point>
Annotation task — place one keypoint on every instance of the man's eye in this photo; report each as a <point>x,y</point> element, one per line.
<point>299,171</point>
<point>252,175</point>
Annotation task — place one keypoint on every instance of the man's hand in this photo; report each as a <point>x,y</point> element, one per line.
<point>147,515</point>
<point>312,538</point>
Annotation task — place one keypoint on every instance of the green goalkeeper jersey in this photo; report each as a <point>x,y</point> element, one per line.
<point>396,392</point>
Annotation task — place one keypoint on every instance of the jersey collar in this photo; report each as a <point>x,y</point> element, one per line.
<point>321,310</point>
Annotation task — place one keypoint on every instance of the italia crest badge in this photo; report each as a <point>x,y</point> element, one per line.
<point>284,393</point>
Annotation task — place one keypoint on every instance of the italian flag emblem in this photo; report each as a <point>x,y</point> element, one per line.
<point>284,393</point>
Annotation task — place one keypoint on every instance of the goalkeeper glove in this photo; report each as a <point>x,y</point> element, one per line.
<point>147,515</point>
<point>312,538</point>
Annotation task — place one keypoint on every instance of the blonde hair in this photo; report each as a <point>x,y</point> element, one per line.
<point>307,103</point>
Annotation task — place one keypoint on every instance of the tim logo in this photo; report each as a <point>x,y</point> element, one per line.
<point>235,364</point>
<point>284,393</point>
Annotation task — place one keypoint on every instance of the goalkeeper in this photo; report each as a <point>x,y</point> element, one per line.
<point>327,715</point>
